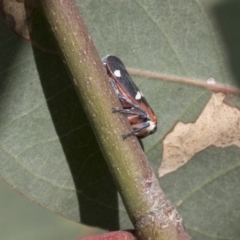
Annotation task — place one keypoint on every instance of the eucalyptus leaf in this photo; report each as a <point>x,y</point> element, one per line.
<point>48,150</point>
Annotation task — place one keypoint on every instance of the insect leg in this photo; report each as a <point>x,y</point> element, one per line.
<point>143,113</point>
<point>120,96</point>
<point>129,112</point>
<point>134,132</point>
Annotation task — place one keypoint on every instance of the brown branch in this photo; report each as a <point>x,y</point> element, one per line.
<point>150,212</point>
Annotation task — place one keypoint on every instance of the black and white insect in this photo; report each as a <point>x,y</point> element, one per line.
<point>135,107</point>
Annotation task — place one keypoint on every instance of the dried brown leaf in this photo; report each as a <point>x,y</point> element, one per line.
<point>218,125</point>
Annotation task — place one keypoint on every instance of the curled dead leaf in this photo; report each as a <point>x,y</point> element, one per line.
<point>17,15</point>
<point>218,125</point>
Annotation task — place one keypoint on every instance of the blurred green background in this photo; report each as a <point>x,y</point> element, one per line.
<point>21,219</point>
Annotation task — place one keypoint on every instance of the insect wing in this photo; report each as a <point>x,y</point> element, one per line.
<point>125,83</point>
<point>123,80</point>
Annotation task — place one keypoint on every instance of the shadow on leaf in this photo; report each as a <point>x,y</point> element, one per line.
<point>96,191</point>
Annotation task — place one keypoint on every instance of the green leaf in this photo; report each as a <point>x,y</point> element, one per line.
<point>46,144</point>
